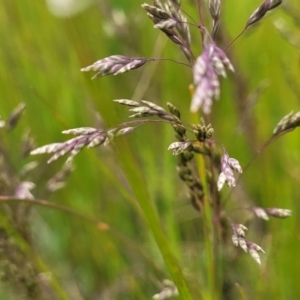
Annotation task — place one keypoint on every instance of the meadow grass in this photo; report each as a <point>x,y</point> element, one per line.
<point>123,222</point>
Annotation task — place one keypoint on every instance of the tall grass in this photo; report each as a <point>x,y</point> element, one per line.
<point>123,222</point>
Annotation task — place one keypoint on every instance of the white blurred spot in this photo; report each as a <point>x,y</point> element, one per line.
<point>66,8</point>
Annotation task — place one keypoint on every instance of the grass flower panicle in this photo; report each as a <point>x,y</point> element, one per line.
<point>201,158</point>
<point>169,291</point>
<point>15,116</point>
<point>179,147</point>
<point>23,190</point>
<point>114,65</point>
<point>191,140</point>
<point>228,165</point>
<point>259,13</point>
<point>208,66</point>
<point>168,18</point>
<point>260,213</point>
<point>58,181</point>
<point>279,212</point>
<point>274,212</point>
<point>215,11</point>
<point>287,123</point>
<point>238,239</point>
<point>253,250</point>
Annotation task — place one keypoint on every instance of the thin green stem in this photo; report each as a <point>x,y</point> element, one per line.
<point>209,234</point>
<point>192,24</point>
<point>189,16</point>
<point>201,26</point>
<point>142,121</point>
<point>48,204</point>
<point>172,60</point>
<point>234,39</point>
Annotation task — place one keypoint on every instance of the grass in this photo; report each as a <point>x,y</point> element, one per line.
<point>152,231</point>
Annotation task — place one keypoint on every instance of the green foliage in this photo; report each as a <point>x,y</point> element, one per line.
<point>131,224</point>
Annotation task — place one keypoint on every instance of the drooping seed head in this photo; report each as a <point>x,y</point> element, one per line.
<point>179,147</point>
<point>253,250</point>
<point>288,122</point>
<point>23,190</point>
<point>259,13</point>
<point>127,102</point>
<point>15,116</point>
<point>260,213</point>
<point>114,65</point>
<point>278,212</point>
<point>228,165</point>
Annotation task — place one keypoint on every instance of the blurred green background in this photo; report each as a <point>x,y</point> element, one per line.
<point>43,46</point>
